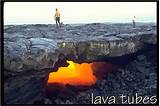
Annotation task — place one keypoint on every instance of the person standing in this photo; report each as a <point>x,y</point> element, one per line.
<point>57,18</point>
<point>133,21</point>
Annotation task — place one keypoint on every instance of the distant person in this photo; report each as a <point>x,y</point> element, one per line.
<point>57,18</point>
<point>133,21</point>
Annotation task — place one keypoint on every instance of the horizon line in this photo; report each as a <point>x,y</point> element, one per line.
<point>81,23</point>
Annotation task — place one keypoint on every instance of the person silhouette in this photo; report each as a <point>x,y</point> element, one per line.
<point>57,18</point>
<point>133,21</point>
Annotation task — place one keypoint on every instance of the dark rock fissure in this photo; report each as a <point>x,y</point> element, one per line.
<point>36,81</point>
<point>117,60</point>
<point>31,51</point>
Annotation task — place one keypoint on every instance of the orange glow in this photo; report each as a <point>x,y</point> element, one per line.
<point>73,74</point>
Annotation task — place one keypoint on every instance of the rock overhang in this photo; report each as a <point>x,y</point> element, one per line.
<point>40,52</point>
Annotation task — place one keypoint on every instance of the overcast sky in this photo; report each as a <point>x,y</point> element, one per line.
<point>78,12</point>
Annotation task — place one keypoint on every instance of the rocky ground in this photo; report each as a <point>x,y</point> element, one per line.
<point>31,50</point>
<point>26,47</point>
<point>139,76</point>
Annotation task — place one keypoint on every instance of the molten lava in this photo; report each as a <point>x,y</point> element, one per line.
<point>85,74</point>
<point>74,74</point>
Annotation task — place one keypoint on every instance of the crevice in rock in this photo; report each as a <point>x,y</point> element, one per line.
<point>137,60</point>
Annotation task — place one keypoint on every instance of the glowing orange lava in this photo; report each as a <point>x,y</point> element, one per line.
<point>73,74</point>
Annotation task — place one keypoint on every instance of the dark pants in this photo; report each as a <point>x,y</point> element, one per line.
<point>134,24</point>
<point>57,21</point>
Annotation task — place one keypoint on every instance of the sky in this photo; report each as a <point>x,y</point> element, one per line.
<point>78,12</point>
